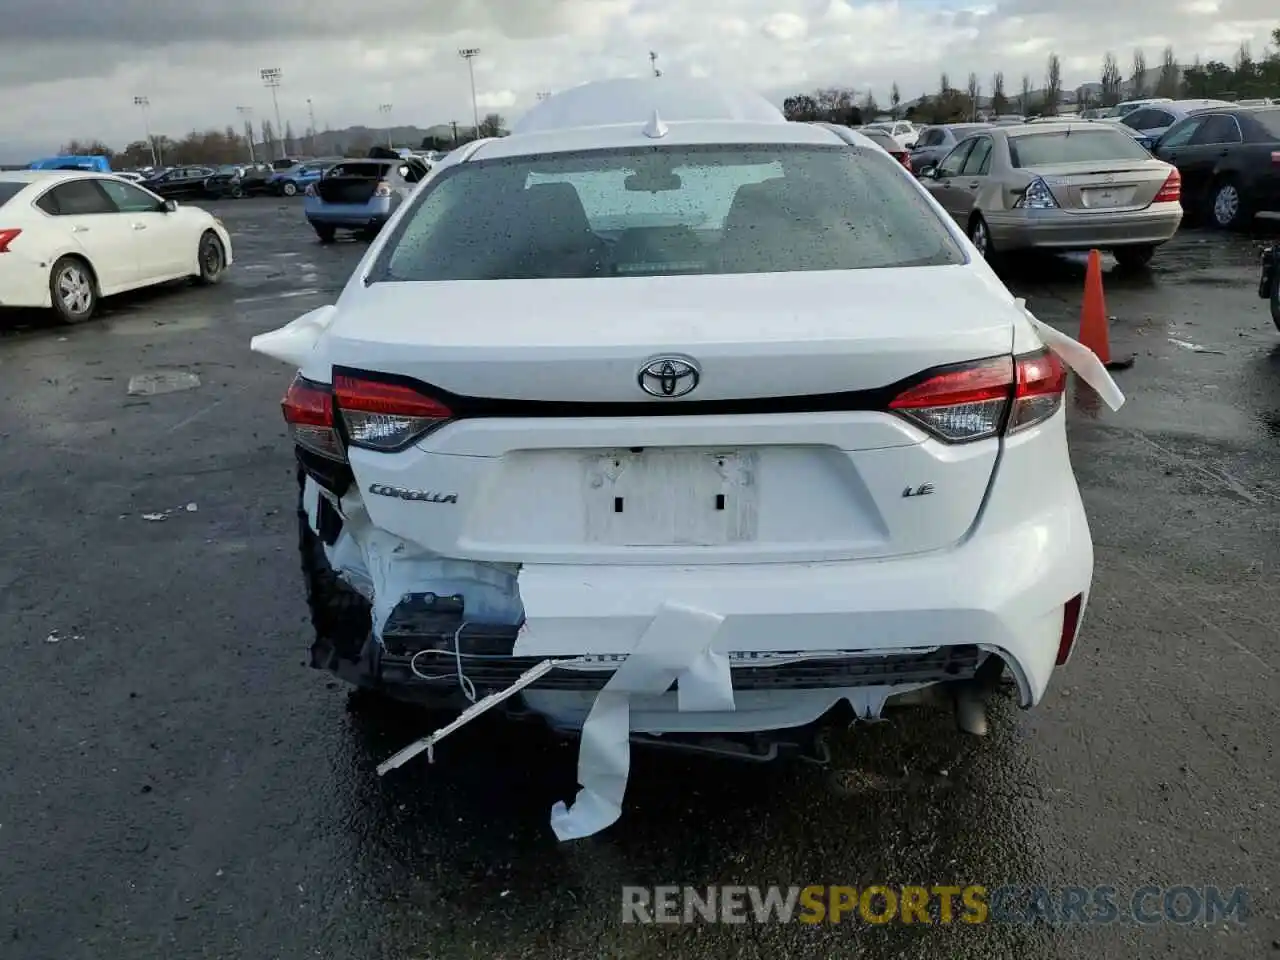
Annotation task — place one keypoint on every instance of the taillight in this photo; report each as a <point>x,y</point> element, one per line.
<point>383,189</point>
<point>906,161</point>
<point>382,415</point>
<point>1037,196</point>
<point>1070,626</point>
<point>7,237</point>
<point>308,409</point>
<point>1275,157</point>
<point>978,400</point>
<point>1042,380</point>
<point>1172,189</point>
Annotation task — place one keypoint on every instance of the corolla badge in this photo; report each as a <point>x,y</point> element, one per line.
<point>669,377</point>
<point>401,493</point>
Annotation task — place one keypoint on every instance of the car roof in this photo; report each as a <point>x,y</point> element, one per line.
<point>45,176</point>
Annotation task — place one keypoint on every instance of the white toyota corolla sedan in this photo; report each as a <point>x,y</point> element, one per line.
<point>67,239</point>
<point>665,395</point>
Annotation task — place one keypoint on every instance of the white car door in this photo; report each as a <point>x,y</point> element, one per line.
<point>164,248</point>
<point>86,214</point>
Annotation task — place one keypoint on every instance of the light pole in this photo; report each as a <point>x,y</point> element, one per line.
<point>469,54</point>
<point>311,112</point>
<point>271,78</point>
<point>144,104</point>
<point>385,110</point>
<point>246,115</point>
<point>653,64</point>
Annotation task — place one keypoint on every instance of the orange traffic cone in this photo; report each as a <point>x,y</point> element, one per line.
<point>1093,317</point>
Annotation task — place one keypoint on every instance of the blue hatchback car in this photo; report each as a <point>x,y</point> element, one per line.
<point>360,195</point>
<point>292,181</point>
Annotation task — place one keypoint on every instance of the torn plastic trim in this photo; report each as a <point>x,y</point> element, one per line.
<point>295,342</point>
<point>1082,361</point>
<point>387,569</point>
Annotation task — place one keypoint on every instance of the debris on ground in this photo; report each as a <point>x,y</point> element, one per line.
<point>161,382</point>
<point>55,636</point>
<point>164,515</point>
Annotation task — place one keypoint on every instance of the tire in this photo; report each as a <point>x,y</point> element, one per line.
<point>980,237</point>
<point>289,188</point>
<point>1227,210</point>
<point>237,192</point>
<point>1275,299</point>
<point>340,617</point>
<point>73,290</point>
<point>212,258</point>
<point>326,233</point>
<point>1135,257</point>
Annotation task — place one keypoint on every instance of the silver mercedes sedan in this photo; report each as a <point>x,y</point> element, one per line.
<point>1059,186</point>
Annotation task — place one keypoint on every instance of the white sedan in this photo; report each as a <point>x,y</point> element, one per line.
<point>662,380</point>
<point>68,239</point>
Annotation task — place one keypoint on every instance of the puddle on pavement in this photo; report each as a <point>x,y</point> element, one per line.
<point>144,325</point>
<point>284,295</point>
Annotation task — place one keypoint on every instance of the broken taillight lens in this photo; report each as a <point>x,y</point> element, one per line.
<point>308,410</point>
<point>381,414</point>
<point>977,400</point>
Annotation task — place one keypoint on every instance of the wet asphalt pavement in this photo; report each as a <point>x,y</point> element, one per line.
<point>175,783</point>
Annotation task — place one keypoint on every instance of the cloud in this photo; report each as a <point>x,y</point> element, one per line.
<point>71,68</point>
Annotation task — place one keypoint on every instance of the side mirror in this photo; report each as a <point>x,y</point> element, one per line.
<point>911,146</point>
<point>927,173</point>
<point>170,206</point>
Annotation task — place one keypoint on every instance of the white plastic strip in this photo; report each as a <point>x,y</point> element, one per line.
<point>676,638</point>
<point>1079,358</point>
<point>427,743</point>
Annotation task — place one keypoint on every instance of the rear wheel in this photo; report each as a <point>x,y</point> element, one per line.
<point>1227,207</point>
<point>340,616</point>
<point>325,233</point>
<point>1275,298</point>
<point>1134,258</point>
<point>73,289</point>
<point>289,188</point>
<point>980,237</point>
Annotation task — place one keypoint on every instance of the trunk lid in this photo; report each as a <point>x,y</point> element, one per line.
<point>351,183</point>
<point>1103,186</point>
<point>560,457</point>
<point>753,335</point>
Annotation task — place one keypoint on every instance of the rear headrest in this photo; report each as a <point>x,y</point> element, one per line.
<point>558,206</point>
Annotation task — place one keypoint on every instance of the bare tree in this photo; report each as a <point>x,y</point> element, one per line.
<point>491,125</point>
<point>999,102</point>
<point>1138,83</point>
<point>1111,80</point>
<point>1052,86</point>
<point>869,107</point>
<point>895,98</point>
<point>944,85</point>
<point>1024,99</point>
<point>974,90</point>
<point>1170,81</point>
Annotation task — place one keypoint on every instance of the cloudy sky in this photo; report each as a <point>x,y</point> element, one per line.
<point>71,68</point>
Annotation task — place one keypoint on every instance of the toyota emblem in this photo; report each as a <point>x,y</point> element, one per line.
<point>669,377</point>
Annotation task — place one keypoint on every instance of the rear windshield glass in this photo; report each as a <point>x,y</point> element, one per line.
<point>366,168</point>
<point>666,211</point>
<point>8,190</point>
<point>1270,120</point>
<point>882,138</point>
<point>1073,146</point>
